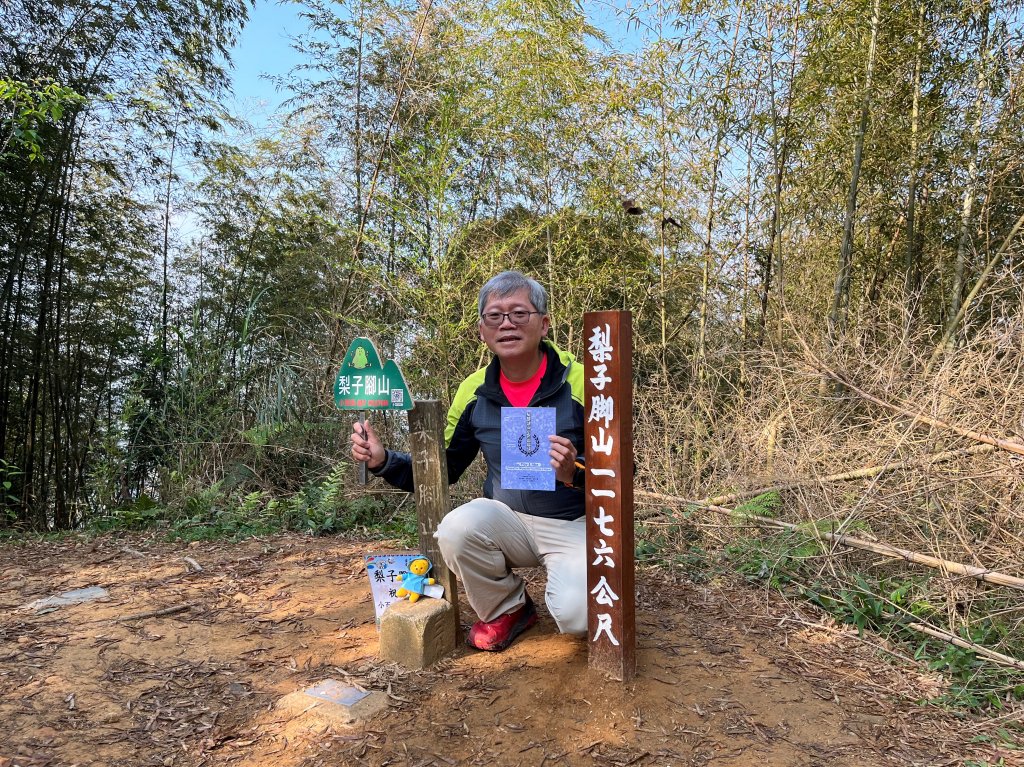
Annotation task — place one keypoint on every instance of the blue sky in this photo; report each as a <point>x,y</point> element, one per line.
<point>264,48</point>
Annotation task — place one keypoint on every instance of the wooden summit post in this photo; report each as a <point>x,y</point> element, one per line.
<point>365,382</point>
<point>430,476</point>
<point>608,439</point>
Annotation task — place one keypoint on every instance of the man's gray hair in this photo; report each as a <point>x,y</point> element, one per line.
<point>507,283</point>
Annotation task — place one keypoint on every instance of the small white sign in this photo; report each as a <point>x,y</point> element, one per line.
<point>383,571</point>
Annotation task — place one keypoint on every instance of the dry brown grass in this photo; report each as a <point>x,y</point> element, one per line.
<point>791,424</point>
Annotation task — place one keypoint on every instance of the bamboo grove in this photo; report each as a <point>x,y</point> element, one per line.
<point>177,287</point>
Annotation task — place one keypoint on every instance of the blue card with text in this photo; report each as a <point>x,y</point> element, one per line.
<point>525,459</point>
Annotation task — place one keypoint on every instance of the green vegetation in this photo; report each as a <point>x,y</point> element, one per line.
<point>882,605</point>
<point>671,548</point>
<point>29,109</point>
<point>134,350</point>
<point>772,191</point>
<point>1003,739</point>
<point>318,508</point>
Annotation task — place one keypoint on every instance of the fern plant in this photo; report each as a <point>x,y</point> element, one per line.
<point>763,505</point>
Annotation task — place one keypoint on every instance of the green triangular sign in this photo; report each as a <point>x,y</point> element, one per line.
<point>363,383</point>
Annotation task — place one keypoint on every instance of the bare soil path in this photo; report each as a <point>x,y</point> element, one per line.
<point>726,676</point>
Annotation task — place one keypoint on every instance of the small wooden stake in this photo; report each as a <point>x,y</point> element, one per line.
<point>362,433</point>
<point>430,470</point>
<point>608,438</point>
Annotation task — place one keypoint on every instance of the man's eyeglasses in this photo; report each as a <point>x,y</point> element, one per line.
<point>517,317</point>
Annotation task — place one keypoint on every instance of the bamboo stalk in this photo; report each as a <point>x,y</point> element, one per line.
<point>953,639</point>
<point>885,549</point>
<point>1002,444</point>
<point>865,473</point>
<point>888,550</point>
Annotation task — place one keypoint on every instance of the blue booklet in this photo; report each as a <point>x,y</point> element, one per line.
<point>525,447</point>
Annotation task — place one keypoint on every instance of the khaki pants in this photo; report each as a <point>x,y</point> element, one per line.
<point>482,541</point>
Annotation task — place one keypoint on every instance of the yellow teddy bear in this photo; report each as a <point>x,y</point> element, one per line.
<point>415,581</point>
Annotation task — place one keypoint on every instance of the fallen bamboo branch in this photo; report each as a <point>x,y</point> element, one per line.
<point>156,613</point>
<point>867,472</point>
<point>885,549</point>
<point>980,573</point>
<point>1002,444</point>
<point>977,649</point>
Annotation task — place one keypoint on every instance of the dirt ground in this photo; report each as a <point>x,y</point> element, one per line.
<point>726,675</point>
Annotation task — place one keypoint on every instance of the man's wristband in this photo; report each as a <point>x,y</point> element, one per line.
<point>578,477</point>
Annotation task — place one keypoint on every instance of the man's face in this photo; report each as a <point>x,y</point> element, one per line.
<point>509,341</point>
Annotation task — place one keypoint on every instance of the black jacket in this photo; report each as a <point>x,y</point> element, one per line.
<point>474,423</point>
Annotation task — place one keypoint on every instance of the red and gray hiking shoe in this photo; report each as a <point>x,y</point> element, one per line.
<point>498,634</point>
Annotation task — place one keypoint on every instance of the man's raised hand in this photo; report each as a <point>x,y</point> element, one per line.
<point>366,446</point>
<point>563,458</point>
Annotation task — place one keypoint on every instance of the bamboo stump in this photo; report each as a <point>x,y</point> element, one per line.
<point>430,473</point>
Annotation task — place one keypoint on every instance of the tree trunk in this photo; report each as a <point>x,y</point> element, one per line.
<point>663,146</point>
<point>839,313</point>
<point>773,258</point>
<point>34,475</point>
<point>165,285</point>
<point>748,217</point>
<point>11,314</point>
<point>709,221</point>
<point>963,246</point>
<point>911,263</point>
